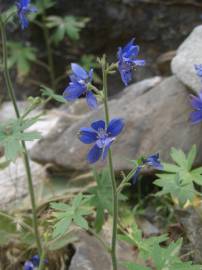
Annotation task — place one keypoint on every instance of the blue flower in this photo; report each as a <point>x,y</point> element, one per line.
<point>196,102</point>
<point>79,86</point>
<point>102,136</point>
<point>127,61</point>
<point>33,263</point>
<point>24,8</point>
<point>152,161</point>
<point>198,69</point>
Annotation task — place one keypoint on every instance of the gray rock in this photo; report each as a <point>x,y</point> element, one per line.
<point>156,119</point>
<point>189,54</point>
<point>91,255</point>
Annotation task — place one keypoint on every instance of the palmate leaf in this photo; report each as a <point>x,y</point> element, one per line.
<point>20,56</point>
<point>102,197</point>
<point>50,93</point>
<point>12,133</point>
<point>67,214</point>
<point>178,179</point>
<point>168,258</point>
<point>69,26</point>
<point>145,246</point>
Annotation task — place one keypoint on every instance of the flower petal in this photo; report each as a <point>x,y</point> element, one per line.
<point>79,71</point>
<point>91,100</point>
<point>87,135</point>
<point>94,154</point>
<point>115,127</point>
<point>73,91</point>
<point>139,62</point>
<point>196,117</point>
<point>196,102</point>
<point>136,174</point>
<point>99,124</point>
<point>106,149</point>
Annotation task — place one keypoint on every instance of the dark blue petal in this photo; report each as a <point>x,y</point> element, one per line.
<point>91,100</point>
<point>196,102</point>
<point>90,75</point>
<point>153,161</point>
<point>79,71</point>
<point>198,69</point>
<point>136,174</point>
<point>35,260</point>
<point>126,76</point>
<point>28,266</point>
<point>128,45</point>
<point>73,91</point>
<point>99,124</point>
<point>94,154</point>
<point>87,135</point>
<point>196,117</point>
<point>115,127</point>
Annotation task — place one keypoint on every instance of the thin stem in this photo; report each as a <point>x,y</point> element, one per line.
<point>112,176</point>
<point>126,179</point>
<point>49,50</point>
<point>42,258</point>
<point>25,154</point>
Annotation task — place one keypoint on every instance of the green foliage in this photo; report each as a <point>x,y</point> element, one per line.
<point>7,16</point>
<point>43,5</point>
<point>145,246</point>
<point>178,179</point>
<point>13,132</point>
<point>50,93</point>
<point>163,258</point>
<point>69,26</point>
<point>67,214</point>
<point>21,56</point>
<point>102,197</point>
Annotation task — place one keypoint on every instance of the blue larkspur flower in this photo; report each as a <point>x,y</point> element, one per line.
<point>24,7</point>
<point>196,102</point>
<point>33,263</point>
<point>101,136</point>
<point>198,69</point>
<point>79,86</point>
<point>127,61</point>
<point>152,161</point>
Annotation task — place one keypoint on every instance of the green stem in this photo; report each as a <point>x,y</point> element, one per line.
<point>25,153</point>
<point>126,179</point>
<point>112,176</point>
<point>42,258</point>
<point>49,50</point>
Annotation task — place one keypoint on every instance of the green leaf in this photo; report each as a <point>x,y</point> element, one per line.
<point>12,133</point>
<point>50,93</point>
<point>72,213</point>
<point>61,242</point>
<point>177,179</point>
<point>69,26</point>
<point>134,266</point>
<point>20,56</point>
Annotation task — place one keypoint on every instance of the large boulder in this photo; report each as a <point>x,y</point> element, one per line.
<point>156,119</point>
<point>188,54</point>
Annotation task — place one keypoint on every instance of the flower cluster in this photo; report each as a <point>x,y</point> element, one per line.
<point>196,101</point>
<point>79,86</point>
<point>152,161</point>
<point>127,61</point>
<point>32,263</point>
<point>24,8</point>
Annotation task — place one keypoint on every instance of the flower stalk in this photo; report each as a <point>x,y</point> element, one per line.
<point>25,153</point>
<point>111,170</point>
